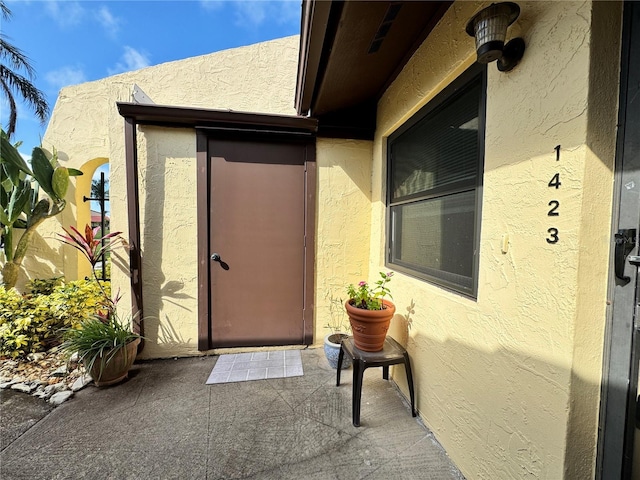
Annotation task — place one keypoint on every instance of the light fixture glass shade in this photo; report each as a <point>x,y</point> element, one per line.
<point>489,27</point>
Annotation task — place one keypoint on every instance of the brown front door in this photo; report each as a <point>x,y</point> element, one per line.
<point>257,242</point>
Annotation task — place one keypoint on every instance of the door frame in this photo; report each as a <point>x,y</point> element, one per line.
<point>620,368</point>
<point>248,132</point>
<point>202,119</point>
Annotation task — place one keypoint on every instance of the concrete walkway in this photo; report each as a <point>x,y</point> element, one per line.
<point>165,423</point>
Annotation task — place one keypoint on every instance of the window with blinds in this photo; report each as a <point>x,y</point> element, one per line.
<point>434,186</point>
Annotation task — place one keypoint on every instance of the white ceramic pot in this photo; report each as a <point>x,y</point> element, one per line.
<point>332,350</point>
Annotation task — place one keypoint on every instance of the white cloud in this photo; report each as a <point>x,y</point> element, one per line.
<point>65,14</point>
<point>110,23</point>
<point>253,13</point>
<point>212,4</point>
<point>69,13</point>
<point>132,59</point>
<point>65,76</point>
<point>290,12</point>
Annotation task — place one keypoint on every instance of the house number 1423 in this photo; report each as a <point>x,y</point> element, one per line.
<point>554,204</point>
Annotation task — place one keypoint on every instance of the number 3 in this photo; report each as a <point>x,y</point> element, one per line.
<point>553,233</point>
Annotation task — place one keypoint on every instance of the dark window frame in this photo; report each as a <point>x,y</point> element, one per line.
<point>456,87</point>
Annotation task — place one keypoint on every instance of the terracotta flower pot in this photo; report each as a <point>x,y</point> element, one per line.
<point>117,368</point>
<point>369,327</point>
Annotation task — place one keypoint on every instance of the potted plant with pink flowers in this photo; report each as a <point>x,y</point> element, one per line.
<point>370,313</point>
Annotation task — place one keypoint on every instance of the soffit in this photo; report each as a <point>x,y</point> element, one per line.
<point>351,51</point>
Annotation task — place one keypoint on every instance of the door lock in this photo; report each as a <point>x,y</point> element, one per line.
<point>625,243</point>
<point>215,257</point>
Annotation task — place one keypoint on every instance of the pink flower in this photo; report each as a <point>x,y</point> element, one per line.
<point>362,284</point>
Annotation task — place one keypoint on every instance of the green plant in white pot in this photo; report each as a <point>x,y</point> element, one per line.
<point>339,328</point>
<point>106,344</point>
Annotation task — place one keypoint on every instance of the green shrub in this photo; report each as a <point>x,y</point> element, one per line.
<point>29,323</point>
<point>44,286</point>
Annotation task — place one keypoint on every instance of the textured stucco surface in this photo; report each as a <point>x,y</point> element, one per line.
<point>509,382</point>
<point>343,223</point>
<point>168,237</point>
<point>86,128</point>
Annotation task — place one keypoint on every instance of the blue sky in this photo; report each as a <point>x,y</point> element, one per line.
<point>71,42</point>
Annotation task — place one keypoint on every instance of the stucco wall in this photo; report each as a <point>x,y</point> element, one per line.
<point>168,239</point>
<point>509,382</point>
<point>85,125</point>
<point>343,223</point>
<point>78,131</point>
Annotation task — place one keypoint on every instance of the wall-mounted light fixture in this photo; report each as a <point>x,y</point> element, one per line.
<point>489,27</point>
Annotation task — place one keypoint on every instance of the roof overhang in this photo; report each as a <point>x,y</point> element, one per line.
<point>350,52</point>
<point>187,117</point>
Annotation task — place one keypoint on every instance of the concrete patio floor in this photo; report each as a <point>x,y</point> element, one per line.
<point>165,423</point>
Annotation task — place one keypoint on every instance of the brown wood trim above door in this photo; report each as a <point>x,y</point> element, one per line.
<point>184,117</point>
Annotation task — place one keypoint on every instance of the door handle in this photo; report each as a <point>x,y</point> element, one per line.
<point>625,242</point>
<point>216,258</point>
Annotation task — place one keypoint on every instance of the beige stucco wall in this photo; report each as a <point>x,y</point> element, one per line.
<point>343,222</point>
<point>168,239</point>
<point>86,126</point>
<point>509,382</point>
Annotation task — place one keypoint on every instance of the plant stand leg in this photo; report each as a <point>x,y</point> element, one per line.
<point>340,358</point>
<point>358,371</point>
<point>407,367</point>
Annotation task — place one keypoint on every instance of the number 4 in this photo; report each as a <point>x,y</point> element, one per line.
<point>555,181</point>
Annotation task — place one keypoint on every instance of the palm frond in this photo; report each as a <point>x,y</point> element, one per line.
<point>15,57</point>
<point>13,60</point>
<point>13,109</point>
<point>4,10</point>
<point>31,95</point>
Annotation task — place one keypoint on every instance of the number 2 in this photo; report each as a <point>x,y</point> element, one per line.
<point>552,212</point>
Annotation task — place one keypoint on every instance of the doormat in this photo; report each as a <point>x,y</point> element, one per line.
<point>241,367</point>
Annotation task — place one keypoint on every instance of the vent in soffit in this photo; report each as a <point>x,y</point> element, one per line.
<point>385,26</point>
